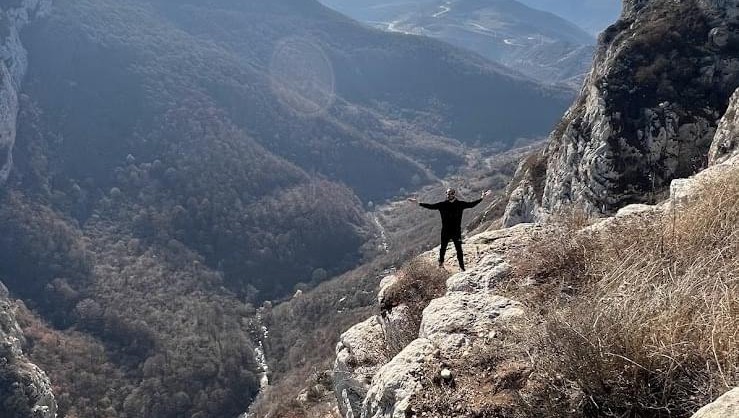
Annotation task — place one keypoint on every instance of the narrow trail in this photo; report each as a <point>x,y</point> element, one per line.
<point>444,9</point>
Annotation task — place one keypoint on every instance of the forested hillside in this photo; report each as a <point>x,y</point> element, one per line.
<point>173,164</point>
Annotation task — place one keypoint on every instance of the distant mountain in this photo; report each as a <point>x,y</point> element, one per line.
<point>592,15</point>
<point>538,44</point>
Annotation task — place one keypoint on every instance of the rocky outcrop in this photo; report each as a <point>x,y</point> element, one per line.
<point>13,62</point>
<point>370,382</point>
<point>662,77</point>
<point>724,407</point>
<point>25,389</point>
<point>359,354</point>
<point>726,142</point>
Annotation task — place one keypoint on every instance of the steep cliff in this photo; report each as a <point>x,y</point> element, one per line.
<point>13,62</point>
<point>25,389</point>
<point>662,77</point>
<point>726,142</point>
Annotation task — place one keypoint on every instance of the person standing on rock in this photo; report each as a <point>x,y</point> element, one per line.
<point>451,211</point>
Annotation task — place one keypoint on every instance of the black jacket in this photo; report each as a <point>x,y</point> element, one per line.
<point>451,215</point>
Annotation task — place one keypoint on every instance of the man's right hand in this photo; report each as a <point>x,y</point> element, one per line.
<point>413,200</point>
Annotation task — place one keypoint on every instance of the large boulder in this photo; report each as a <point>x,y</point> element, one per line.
<point>727,406</point>
<point>453,323</point>
<point>396,382</point>
<point>726,142</point>
<point>360,353</point>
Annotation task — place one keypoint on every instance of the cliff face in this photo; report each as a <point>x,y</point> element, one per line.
<point>726,142</point>
<point>647,113</point>
<point>13,62</point>
<point>24,388</point>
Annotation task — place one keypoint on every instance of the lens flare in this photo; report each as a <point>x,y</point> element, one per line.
<point>302,77</point>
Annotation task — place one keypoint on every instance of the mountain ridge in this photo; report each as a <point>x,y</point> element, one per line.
<point>539,44</point>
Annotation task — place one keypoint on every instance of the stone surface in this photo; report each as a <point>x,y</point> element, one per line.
<point>20,379</point>
<point>385,284</point>
<point>13,64</point>
<point>359,354</point>
<point>727,406</point>
<point>492,269</point>
<point>453,322</point>
<point>639,122</point>
<point>523,202</point>
<point>726,142</point>
<point>394,384</point>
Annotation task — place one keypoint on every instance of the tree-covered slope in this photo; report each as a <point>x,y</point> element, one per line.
<point>175,162</point>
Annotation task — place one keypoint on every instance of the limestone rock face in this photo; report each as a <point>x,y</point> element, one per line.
<point>13,63</point>
<point>480,278</point>
<point>392,387</point>
<point>724,407</point>
<point>726,142</point>
<point>359,354</point>
<point>455,320</point>
<point>647,113</point>
<point>371,383</point>
<point>24,388</point>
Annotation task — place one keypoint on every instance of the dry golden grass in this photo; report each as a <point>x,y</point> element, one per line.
<point>651,325</point>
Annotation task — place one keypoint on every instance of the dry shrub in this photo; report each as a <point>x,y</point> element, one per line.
<point>557,260</point>
<point>656,332</point>
<point>486,383</point>
<point>418,283</point>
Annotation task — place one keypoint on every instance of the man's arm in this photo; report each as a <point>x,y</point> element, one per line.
<point>472,204</point>
<point>425,205</point>
<point>430,205</point>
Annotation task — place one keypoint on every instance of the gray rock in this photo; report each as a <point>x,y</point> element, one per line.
<point>635,209</point>
<point>453,322</point>
<point>625,138</point>
<point>392,387</point>
<point>491,269</point>
<point>726,142</point>
<point>13,64</point>
<point>524,204</point>
<point>359,354</point>
<point>727,406</point>
<point>31,383</point>
<point>385,284</point>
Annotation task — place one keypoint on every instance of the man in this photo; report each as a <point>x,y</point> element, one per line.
<point>451,221</point>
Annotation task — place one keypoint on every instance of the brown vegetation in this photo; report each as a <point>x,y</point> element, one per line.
<point>645,317</point>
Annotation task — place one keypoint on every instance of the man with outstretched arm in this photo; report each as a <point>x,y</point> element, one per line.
<point>451,211</point>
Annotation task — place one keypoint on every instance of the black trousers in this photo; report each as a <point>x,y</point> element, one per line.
<point>457,245</point>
